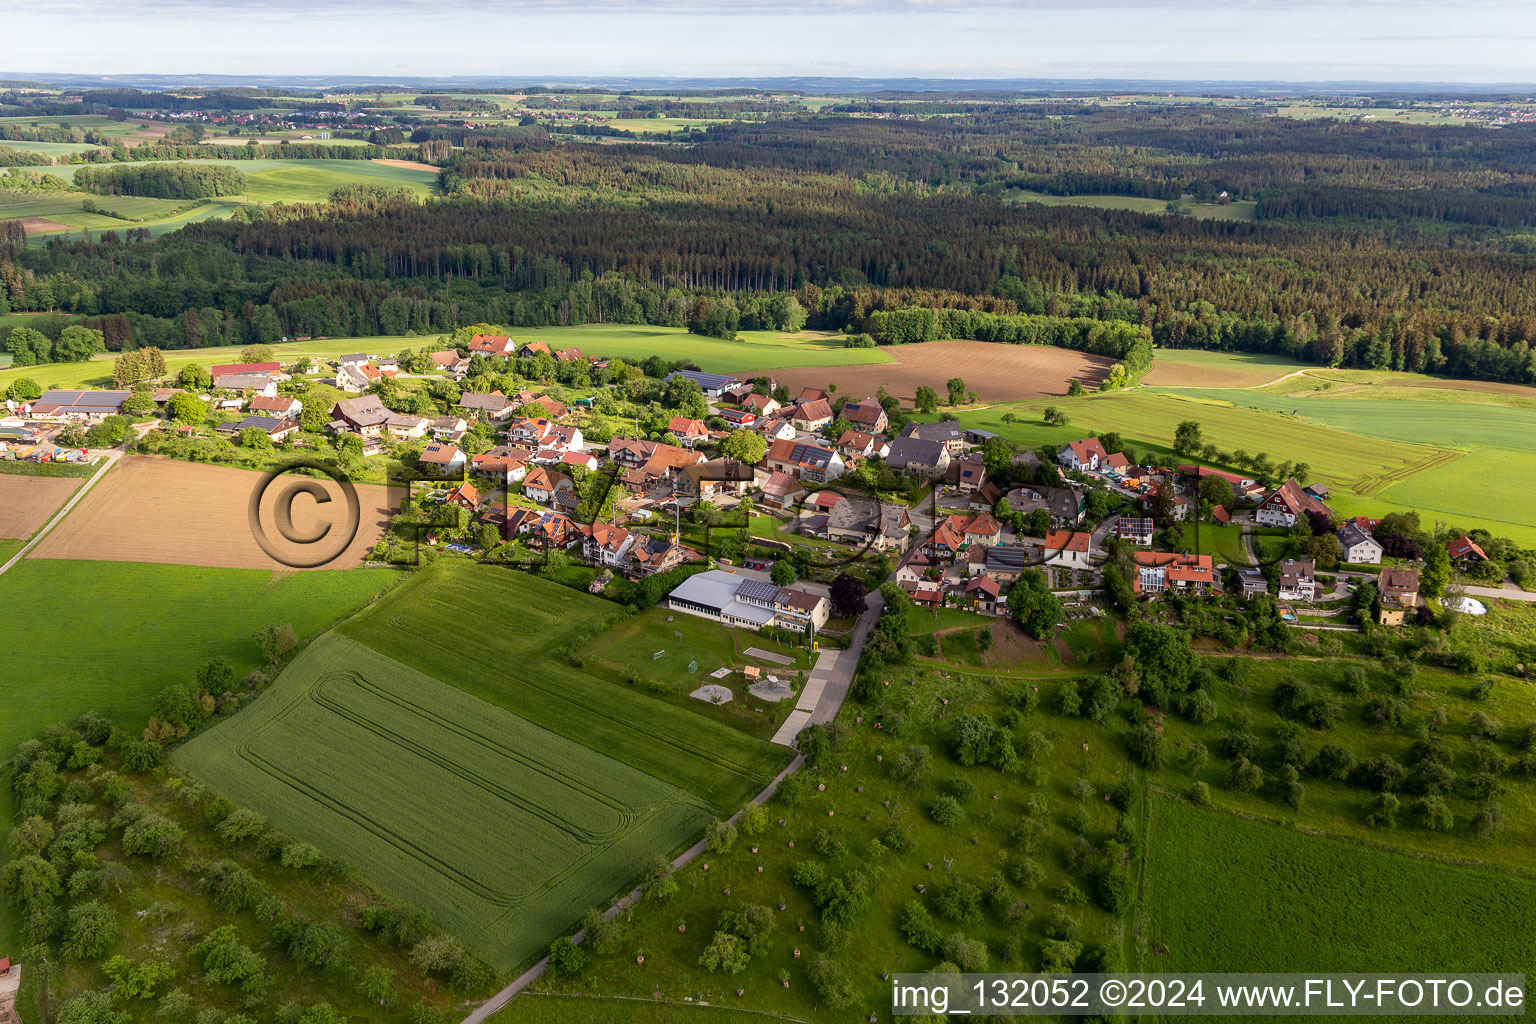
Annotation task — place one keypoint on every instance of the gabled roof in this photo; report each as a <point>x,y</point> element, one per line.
<point>1067,540</point>
<point>1087,448</point>
<point>810,412</point>
<point>280,403</point>
<point>914,451</point>
<point>798,454</point>
<point>447,357</point>
<point>544,479</point>
<point>683,426</point>
<point>362,411</point>
<point>440,454</point>
<point>493,402</point>
<point>1465,547</point>
<point>1298,501</point>
<point>705,381</point>
<point>864,413</point>
<point>944,431</point>
<point>780,485</point>
<point>1350,534</point>
<point>811,395</point>
<point>1399,580</point>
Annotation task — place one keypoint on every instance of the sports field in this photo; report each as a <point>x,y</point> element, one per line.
<point>1214,881</point>
<point>153,509</point>
<point>501,831</point>
<point>501,636</point>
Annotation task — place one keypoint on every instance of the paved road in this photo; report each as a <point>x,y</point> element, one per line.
<point>834,681</point>
<point>112,457</point>
<point>1502,594</point>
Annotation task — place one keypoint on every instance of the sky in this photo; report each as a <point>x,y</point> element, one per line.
<point>1481,41</point>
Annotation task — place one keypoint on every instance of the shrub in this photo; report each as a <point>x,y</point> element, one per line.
<point>946,811</point>
<point>565,958</point>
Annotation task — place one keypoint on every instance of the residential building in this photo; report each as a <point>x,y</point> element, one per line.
<point>984,595</point>
<point>406,424</point>
<point>542,484</point>
<point>351,378</point>
<point>712,384</point>
<point>1085,455</point>
<point>1135,530</point>
<point>530,433</point>
<point>1287,504</point>
<point>1160,572</point>
<point>252,384</point>
<point>535,348</point>
<point>688,432</point>
<point>363,415</point>
<point>781,490</point>
<point>491,345</point>
<point>812,395</point>
<point>353,359</point>
<point>504,464</point>
<point>738,419</point>
<point>776,430</point>
<point>1005,564</point>
<point>717,478</point>
<point>449,428</point>
<point>607,545</point>
<point>866,415</point>
<point>918,455</point>
<point>1252,583</point>
<point>1241,485</point>
<point>281,406</point>
<point>465,496</point>
<point>1399,595</point>
<point>275,427</point>
<point>811,416</point>
<point>865,521</point>
<point>857,445</point>
<point>651,555</point>
<point>1360,548</point>
<point>804,461</point>
<point>1298,580</point>
<point>760,405</point>
<point>1067,548</point>
<point>1464,551</point>
<point>968,474</point>
<point>945,432</point>
<point>451,362</point>
<point>494,406</point>
<point>1064,505</point>
<point>443,459</point>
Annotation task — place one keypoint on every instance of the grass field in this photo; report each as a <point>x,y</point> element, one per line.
<point>502,832</point>
<point>1241,210</point>
<point>510,652</point>
<point>1174,367</point>
<point>1215,883</point>
<point>105,636</point>
<point>1345,460</point>
<point>547,1008</point>
<point>753,350</point>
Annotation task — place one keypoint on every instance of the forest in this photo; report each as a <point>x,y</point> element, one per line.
<point>1373,245</point>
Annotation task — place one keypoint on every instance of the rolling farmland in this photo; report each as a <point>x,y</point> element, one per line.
<point>501,831</point>
<point>1214,881</point>
<point>519,664</point>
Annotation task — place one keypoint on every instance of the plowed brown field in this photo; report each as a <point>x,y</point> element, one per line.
<point>26,502</point>
<point>150,509</point>
<point>38,225</point>
<point>996,372</point>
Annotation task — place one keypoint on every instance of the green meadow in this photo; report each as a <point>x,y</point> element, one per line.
<point>1215,885</point>
<point>752,350</point>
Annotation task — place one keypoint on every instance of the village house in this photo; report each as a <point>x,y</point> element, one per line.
<point>451,362</point>
<point>781,490</point>
<point>651,555</point>
<point>1252,583</point>
<point>804,461</point>
<point>1067,548</point>
<point>918,455</point>
<point>738,419</point>
<point>688,432</point>
<point>275,427</point>
<point>568,355</point>
<point>945,432</point>
<point>1135,530</point>
<point>811,416</point>
<point>913,566</point>
<point>351,378</point>
<point>712,384</point>
<point>542,484</point>
<point>494,406</point>
<point>968,474</point>
<point>249,384</point>
<point>1160,572</point>
<point>734,600</point>
<point>443,459</point>
<point>530,433</point>
<point>986,497</point>
<point>1115,464</point>
<point>760,405</point>
<point>353,359</point>
<point>856,445</point>
<point>1360,548</point>
<point>553,408</point>
<point>1084,456</point>
<point>607,545</point>
<point>865,521</point>
<point>983,595</point>
<point>407,425</point>
<point>535,348</point>
<point>1298,580</point>
<point>812,395</point>
<point>504,464</point>
<point>464,496</point>
<point>866,415</point>
<point>1465,551</point>
<point>492,345</point>
<point>1242,486</point>
<point>545,530</point>
<point>1004,564</point>
<point>1287,504</point>
<point>715,479</point>
<point>585,460</point>
<point>776,429</point>
<point>281,406</point>
<point>365,415</point>
<point>1063,504</point>
<point>449,428</point>
<point>1398,591</point>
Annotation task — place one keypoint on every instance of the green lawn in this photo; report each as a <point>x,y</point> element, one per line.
<point>1227,894</point>
<point>500,831</point>
<point>510,651</point>
<point>1189,367</point>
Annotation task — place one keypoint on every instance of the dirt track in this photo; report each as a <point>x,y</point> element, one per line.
<point>26,502</point>
<point>996,372</point>
<point>149,509</point>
